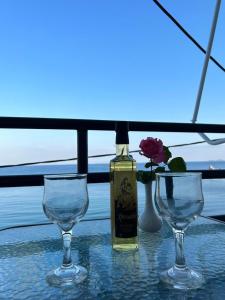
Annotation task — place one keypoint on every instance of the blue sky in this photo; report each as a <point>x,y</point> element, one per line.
<point>98,59</point>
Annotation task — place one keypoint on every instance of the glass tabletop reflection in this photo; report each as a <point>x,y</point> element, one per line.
<point>27,254</point>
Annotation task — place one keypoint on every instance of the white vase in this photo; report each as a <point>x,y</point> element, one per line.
<point>149,220</point>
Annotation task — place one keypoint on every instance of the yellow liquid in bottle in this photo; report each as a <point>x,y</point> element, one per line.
<point>123,192</point>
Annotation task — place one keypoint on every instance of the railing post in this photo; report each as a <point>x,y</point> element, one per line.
<point>82,151</point>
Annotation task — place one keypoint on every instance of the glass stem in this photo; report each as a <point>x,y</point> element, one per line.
<point>179,247</point>
<point>67,237</point>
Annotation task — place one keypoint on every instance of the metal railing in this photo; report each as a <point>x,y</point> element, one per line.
<point>82,127</point>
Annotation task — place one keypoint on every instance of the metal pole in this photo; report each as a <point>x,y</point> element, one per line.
<point>205,66</point>
<point>82,151</point>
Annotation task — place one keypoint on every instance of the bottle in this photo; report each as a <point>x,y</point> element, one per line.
<point>123,193</point>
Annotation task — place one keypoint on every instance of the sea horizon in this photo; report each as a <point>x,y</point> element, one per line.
<point>46,168</point>
<point>23,205</point>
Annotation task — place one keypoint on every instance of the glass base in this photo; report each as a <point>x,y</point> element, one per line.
<point>64,276</point>
<point>182,278</point>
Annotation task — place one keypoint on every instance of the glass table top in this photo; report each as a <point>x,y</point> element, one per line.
<point>27,254</point>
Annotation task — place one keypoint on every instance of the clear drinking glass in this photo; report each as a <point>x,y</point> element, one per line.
<point>65,202</point>
<point>179,200</point>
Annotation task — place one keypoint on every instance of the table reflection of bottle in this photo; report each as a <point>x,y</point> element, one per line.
<point>126,275</point>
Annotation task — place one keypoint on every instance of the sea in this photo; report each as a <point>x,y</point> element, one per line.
<point>23,205</point>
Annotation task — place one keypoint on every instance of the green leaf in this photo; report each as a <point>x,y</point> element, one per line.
<point>177,164</point>
<point>167,154</point>
<point>150,164</point>
<point>145,176</point>
<point>160,170</point>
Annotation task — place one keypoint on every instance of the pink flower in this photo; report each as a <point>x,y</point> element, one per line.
<point>153,149</point>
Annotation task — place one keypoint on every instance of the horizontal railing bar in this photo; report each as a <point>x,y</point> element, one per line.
<point>38,180</point>
<point>21,180</point>
<point>99,177</point>
<point>218,217</point>
<point>176,127</point>
<point>54,123</point>
<point>76,124</point>
<point>211,174</point>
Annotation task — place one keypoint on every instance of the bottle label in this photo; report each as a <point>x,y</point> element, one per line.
<point>125,205</point>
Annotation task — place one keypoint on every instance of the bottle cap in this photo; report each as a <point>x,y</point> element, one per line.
<point>122,128</point>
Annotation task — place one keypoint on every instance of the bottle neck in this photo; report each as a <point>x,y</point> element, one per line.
<point>122,149</point>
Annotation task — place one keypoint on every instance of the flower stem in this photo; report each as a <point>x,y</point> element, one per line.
<point>151,166</point>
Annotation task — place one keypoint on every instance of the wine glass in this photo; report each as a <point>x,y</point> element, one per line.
<point>65,202</point>
<point>179,200</point>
